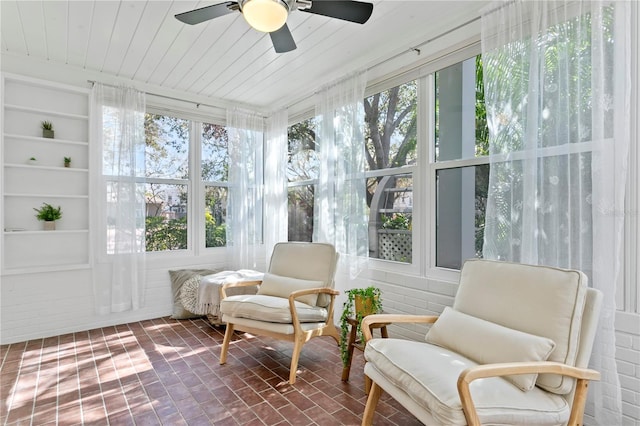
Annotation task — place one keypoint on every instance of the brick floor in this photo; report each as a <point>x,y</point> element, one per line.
<point>166,372</point>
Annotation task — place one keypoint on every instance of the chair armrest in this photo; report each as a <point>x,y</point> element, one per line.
<point>583,375</point>
<point>318,290</point>
<point>393,318</point>
<point>224,287</point>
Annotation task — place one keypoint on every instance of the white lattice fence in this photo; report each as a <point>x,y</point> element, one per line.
<point>395,244</point>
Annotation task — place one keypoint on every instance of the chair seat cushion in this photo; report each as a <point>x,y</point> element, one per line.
<point>428,373</point>
<point>270,309</point>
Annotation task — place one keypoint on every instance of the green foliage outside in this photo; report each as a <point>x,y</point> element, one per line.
<point>162,234</point>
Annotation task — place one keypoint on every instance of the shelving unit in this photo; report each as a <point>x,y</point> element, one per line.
<point>26,247</point>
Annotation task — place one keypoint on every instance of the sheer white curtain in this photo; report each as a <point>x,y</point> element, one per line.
<point>118,202</point>
<point>275,181</point>
<point>340,209</point>
<point>557,77</point>
<point>244,203</point>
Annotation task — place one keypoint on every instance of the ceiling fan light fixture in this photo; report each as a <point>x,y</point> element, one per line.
<point>265,15</point>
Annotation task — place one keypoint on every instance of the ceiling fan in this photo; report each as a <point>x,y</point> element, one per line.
<point>270,16</point>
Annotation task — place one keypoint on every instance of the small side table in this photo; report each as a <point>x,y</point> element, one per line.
<point>354,343</point>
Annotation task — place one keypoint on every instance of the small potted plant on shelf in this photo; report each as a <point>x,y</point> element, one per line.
<point>360,303</point>
<point>47,129</point>
<point>32,161</point>
<point>67,161</point>
<point>49,215</point>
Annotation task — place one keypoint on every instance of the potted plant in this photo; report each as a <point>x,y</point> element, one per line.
<point>360,303</point>
<point>49,215</point>
<point>47,129</point>
<point>67,161</point>
<point>32,160</point>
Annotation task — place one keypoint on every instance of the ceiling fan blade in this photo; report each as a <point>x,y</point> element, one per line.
<point>205,13</point>
<point>347,10</point>
<point>282,40</point>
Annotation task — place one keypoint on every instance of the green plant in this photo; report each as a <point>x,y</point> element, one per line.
<point>370,296</point>
<point>32,158</point>
<point>67,161</point>
<point>396,221</point>
<point>48,213</point>
<point>47,125</point>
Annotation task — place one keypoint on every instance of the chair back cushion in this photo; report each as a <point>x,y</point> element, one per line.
<point>486,343</point>
<point>306,261</point>
<point>278,286</point>
<point>538,300</point>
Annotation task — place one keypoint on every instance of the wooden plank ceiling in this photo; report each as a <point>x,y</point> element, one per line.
<point>223,59</point>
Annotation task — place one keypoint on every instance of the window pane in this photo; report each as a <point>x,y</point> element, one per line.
<point>390,218</point>
<point>166,217</point>
<point>302,157</point>
<point>215,156</point>
<point>460,121</point>
<point>461,199</point>
<point>119,195</point>
<point>167,147</point>
<point>300,204</point>
<point>215,216</point>
<point>390,130</point>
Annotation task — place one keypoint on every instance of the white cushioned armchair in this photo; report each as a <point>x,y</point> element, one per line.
<point>513,350</point>
<point>295,300</point>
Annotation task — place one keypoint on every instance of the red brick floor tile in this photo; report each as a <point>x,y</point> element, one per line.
<point>167,372</point>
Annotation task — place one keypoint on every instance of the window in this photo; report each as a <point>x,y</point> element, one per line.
<point>167,182</point>
<point>391,140</point>
<point>461,163</point>
<point>214,174</point>
<point>302,175</point>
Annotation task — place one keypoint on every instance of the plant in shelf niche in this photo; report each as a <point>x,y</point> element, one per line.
<point>360,303</point>
<point>32,160</point>
<point>67,161</point>
<point>49,215</point>
<point>47,129</point>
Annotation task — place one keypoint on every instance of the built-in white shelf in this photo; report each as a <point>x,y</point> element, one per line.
<point>19,194</point>
<point>47,140</point>
<point>52,233</point>
<point>25,246</point>
<point>54,168</point>
<point>45,112</point>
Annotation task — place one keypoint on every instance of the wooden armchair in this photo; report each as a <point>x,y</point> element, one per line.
<point>513,349</point>
<point>295,300</point>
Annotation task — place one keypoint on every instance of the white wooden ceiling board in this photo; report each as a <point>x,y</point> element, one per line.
<point>200,51</point>
<point>181,45</point>
<point>223,41</point>
<point>79,30</point>
<point>162,41</point>
<point>11,28</point>
<point>151,23</point>
<point>56,30</point>
<point>101,31</point>
<point>33,25</point>
<point>124,31</point>
<point>248,77</point>
<point>233,44</point>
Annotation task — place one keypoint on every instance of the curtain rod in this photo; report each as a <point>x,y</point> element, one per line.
<point>414,48</point>
<point>197,104</point>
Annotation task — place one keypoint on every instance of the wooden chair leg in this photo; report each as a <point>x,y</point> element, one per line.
<point>225,343</point>
<point>372,401</point>
<point>295,357</point>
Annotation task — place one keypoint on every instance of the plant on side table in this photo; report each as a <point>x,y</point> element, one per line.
<point>360,303</point>
<point>49,215</point>
<point>47,129</point>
